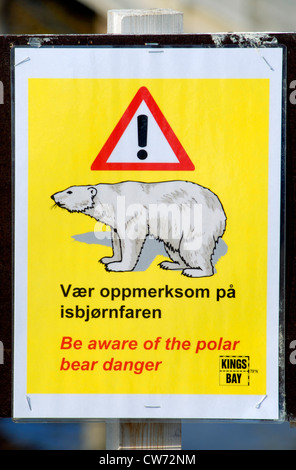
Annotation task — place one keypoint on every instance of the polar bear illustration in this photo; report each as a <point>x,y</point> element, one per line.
<point>187,217</point>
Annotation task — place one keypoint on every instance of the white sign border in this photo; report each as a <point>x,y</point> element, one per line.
<point>124,62</point>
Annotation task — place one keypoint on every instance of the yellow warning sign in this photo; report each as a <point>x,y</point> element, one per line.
<point>96,276</point>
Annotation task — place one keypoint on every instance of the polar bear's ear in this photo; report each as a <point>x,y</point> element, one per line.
<point>92,190</point>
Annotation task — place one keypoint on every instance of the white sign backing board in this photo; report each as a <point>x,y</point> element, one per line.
<point>164,301</point>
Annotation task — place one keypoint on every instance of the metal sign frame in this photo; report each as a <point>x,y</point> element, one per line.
<point>288,372</point>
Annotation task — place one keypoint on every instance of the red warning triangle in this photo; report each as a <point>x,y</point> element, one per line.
<point>168,152</point>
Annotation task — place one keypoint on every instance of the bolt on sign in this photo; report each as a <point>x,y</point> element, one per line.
<point>147,231</point>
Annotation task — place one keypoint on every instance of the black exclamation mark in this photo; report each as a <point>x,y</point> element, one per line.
<point>142,135</point>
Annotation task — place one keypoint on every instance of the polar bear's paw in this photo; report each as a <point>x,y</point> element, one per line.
<point>170,265</point>
<point>117,266</point>
<point>108,259</point>
<point>196,272</point>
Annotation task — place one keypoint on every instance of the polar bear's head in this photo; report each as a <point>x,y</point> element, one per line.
<point>76,198</point>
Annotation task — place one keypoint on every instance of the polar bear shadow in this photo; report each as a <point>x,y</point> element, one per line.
<point>151,248</point>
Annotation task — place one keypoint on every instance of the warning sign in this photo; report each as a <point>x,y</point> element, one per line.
<point>147,232</point>
<point>136,145</point>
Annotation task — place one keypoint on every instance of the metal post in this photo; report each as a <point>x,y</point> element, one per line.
<point>153,21</point>
<point>144,434</point>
